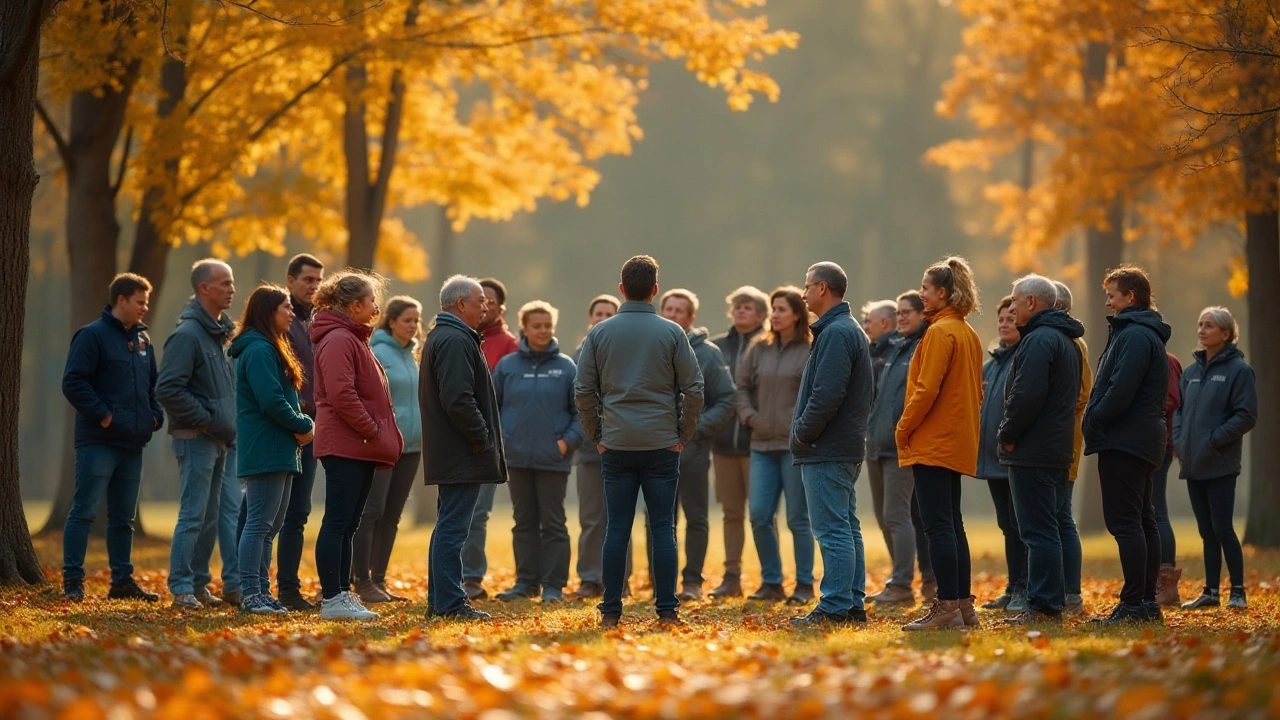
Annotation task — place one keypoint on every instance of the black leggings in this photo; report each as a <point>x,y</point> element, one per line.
<point>1214,502</point>
<point>938,493</point>
<point>1127,487</point>
<point>346,487</point>
<point>1015,551</point>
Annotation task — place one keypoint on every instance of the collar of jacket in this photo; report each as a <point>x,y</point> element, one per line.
<point>1141,316</point>
<point>746,337</point>
<point>1002,352</point>
<point>446,318</point>
<point>946,312</point>
<point>301,311</point>
<point>829,317</point>
<point>222,326</point>
<point>631,306</point>
<point>114,322</point>
<point>552,350</point>
<point>1229,352</point>
<point>884,342</point>
<point>327,318</point>
<point>1056,319</point>
<point>919,333</point>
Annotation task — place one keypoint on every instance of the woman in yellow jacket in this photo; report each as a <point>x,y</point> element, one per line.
<point>937,436</point>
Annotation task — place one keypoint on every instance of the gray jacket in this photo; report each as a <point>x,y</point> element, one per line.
<point>768,384</point>
<point>995,373</point>
<point>717,399</point>
<point>196,385</point>
<point>891,395</point>
<point>1219,405</point>
<point>638,386</point>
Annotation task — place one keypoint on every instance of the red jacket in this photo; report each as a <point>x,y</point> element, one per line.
<point>354,416</point>
<point>498,343</point>
<point>1174,400</point>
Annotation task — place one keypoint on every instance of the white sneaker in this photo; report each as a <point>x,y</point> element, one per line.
<point>345,606</point>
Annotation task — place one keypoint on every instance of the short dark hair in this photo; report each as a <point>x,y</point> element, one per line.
<point>639,275</point>
<point>128,285</point>
<point>1132,279</point>
<point>302,260</point>
<point>833,275</point>
<point>497,287</point>
<point>913,297</point>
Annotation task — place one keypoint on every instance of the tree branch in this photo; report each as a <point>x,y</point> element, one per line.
<point>64,151</point>
<point>124,162</point>
<point>232,71</point>
<point>294,22</point>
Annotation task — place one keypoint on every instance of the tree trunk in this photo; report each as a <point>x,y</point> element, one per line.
<point>151,243</point>
<point>19,68</point>
<point>1262,251</point>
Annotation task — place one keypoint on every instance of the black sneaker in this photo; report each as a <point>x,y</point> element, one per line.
<point>669,618</point>
<point>519,592</point>
<point>856,616</point>
<point>130,590</point>
<point>1237,600</point>
<point>73,590</point>
<point>463,614</point>
<point>294,602</point>
<point>1209,598</point>
<point>1125,614</point>
<point>821,618</point>
<point>1154,614</point>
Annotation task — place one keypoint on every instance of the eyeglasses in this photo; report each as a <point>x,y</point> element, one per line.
<point>905,313</point>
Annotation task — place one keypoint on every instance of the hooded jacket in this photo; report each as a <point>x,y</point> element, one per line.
<point>1041,393</point>
<point>1219,405</point>
<point>305,351</point>
<point>734,437</point>
<point>535,395</point>
<point>268,413</point>
<point>1126,407</point>
<point>880,349</point>
<point>717,393</point>
<point>940,419</point>
<point>891,394</point>
<point>461,427</point>
<point>830,423</point>
<point>354,416</point>
<point>111,370</point>
<point>768,384</point>
<point>995,372</point>
<point>196,385</point>
<point>498,342</point>
<point>401,366</point>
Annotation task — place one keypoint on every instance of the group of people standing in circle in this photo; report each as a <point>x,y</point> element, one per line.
<point>790,403</point>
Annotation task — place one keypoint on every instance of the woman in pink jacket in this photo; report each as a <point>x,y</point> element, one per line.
<point>356,429</point>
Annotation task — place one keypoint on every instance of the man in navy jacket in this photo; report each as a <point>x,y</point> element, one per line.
<point>110,379</point>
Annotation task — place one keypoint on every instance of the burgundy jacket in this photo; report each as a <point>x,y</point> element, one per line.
<point>354,415</point>
<point>1174,400</point>
<point>498,343</point>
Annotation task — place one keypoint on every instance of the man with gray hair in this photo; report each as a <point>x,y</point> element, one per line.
<point>1035,438</point>
<point>461,437</point>
<point>196,387</point>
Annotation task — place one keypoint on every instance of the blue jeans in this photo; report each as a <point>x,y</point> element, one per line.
<point>1160,498</point>
<point>474,562</point>
<point>455,507</point>
<point>266,500</point>
<point>110,472</point>
<point>627,474</point>
<point>1072,555</point>
<point>1036,500</point>
<point>203,494</point>
<point>828,489</point>
<point>772,476</point>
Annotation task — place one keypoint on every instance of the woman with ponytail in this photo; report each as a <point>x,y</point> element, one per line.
<point>938,434</point>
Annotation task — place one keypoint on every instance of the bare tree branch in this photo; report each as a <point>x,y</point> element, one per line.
<point>295,22</point>
<point>64,150</point>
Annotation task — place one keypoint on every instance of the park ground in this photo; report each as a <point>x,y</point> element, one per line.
<point>732,659</point>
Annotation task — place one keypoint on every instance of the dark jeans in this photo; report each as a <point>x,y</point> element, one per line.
<point>540,538</point>
<point>290,542</point>
<point>1214,502</point>
<point>371,547</point>
<point>1037,494</point>
<point>1015,550</point>
<point>1072,555</point>
<point>1131,520</point>
<point>1160,498</point>
<point>627,474</point>
<point>346,487</point>
<point>107,472</point>
<point>454,508</point>
<point>922,542</point>
<point>938,492</point>
<point>474,562</point>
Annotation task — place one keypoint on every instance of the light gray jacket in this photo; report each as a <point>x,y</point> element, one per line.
<point>196,385</point>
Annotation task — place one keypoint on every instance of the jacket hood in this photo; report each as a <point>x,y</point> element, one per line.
<point>326,321</point>
<point>882,343</point>
<point>1226,354</point>
<point>222,326</point>
<point>1002,352</point>
<point>552,349</point>
<point>384,337</point>
<point>697,336</point>
<point>1142,316</point>
<point>244,340</point>
<point>1058,320</point>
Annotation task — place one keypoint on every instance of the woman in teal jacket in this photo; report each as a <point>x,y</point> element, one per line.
<point>271,431</point>
<point>396,346</point>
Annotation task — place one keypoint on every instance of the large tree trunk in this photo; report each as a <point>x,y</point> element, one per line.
<point>19,67</point>
<point>1262,250</point>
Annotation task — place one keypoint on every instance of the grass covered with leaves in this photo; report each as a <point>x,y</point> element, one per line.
<point>103,659</point>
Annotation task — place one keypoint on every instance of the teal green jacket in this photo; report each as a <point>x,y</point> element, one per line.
<point>401,367</point>
<point>268,414</point>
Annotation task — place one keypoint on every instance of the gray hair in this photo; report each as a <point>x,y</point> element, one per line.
<point>888,307</point>
<point>1225,321</point>
<point>203,269</point>
<point>831,274</point>
<point>1064,301</point>
<point>1039,287</point>
<point>457,288</point>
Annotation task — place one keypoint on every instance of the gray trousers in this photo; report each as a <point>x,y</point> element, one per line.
<point>591,518</point>
<point>875,476</point>
<point>899,484</point>
<point>474,562</point>
<point>540,537</point>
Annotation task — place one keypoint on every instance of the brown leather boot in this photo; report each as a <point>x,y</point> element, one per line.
<point>968,613</point>
<point>942,615</point>
<point>1167,586</point>
<point>731,587</point>
<point>894,595</point>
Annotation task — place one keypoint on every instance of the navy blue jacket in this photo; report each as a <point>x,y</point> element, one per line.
<point>1041,394</point>
<point>734,438</point>
<point>1126,410</point>
<point>891,395</point>
<point>830,422</point>
<point>1219,405</point>
<point>111,370</point>
<point>535,397</point>
<point>994,374</point>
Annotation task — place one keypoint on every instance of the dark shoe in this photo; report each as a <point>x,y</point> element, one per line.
<point>232,598</point>
<point>391,597</point>
<point>820,619</point>
<point>968,614</point>
<point>552,596</point>
<point>999,603</point>
<point>769,592</point>
<point>465,613</point>
<point>587,590</point>
<point>893,595</point>
<point>73,590</point>
<point>1237,600</point>
<point>294,602</point>
<point>856,616</point>
<point>473,590</point>
<point>1167,586</point>
<point>130,590</point>
<point>609,621</point>
<point>207,598</point>
<point>1033,617</point>
<point>1154,615</point>
<point>1075,605</point>
<point>1208,598</point>
<point>690,591</point>
<point>518,592</point>
<point>1124,614</point>
<point>1018,603</point>
<point>803,595</point>
<point>731,587</point>
<point>669,618</point>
